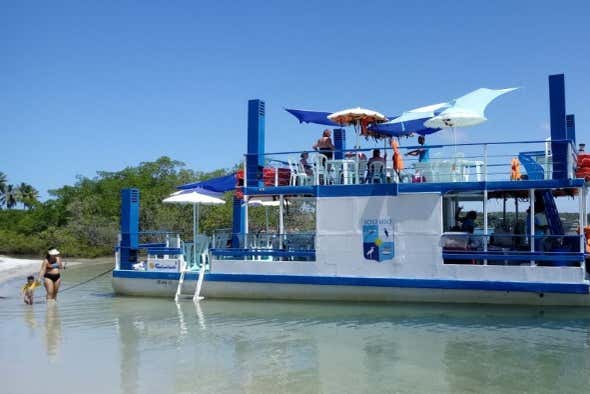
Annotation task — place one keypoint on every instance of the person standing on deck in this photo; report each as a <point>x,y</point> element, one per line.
<point>422,153</point>
<point>324,145</point>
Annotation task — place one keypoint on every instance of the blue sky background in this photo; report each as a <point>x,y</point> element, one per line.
<point>89,86</point>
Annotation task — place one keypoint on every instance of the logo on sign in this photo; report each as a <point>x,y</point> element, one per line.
<point>378,242</point>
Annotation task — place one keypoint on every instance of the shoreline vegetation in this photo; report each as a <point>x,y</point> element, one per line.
<point>83,220</point>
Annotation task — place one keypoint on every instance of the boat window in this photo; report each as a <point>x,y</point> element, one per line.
<point>507,236</point>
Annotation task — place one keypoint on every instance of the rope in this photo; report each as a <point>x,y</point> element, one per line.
<point>74,285</point>
<point>86,281</point>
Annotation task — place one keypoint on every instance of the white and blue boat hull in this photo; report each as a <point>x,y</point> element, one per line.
<point>156,284</point>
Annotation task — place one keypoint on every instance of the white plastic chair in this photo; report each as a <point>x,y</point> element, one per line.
<point>376,172</point>
<point>302,175</point>
<point>335,172</point>
<point>361,172</point>
<point>296,178</point>
<point>321,169</point>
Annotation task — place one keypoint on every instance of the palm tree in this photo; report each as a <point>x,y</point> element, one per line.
<point>10,196</point>
<point>2,188</point>
<point>27,194</point>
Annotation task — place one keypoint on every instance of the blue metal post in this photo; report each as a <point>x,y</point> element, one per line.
<point>237,224</point>
<point>129,228</point>
<point>570,124</point>
<point>339,143</point>
<point>558,128</point>
<point>255,153</point>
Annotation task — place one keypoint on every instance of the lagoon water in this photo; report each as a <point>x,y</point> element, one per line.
<point>94,342</point>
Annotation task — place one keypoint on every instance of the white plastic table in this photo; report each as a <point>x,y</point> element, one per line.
<point>344,169</point>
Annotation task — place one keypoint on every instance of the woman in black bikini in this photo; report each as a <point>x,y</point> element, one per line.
<point>49,273</point>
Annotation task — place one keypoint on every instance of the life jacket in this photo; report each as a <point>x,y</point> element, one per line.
<point>398,161</point>
<point>583,166</point>
<point>515,170</point>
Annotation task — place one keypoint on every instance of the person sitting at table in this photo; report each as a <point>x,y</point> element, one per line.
<point>376,157</point>
<point>305,164</point>
<point>324,145</point>
<point>422,153</point>
<point>467,221</point>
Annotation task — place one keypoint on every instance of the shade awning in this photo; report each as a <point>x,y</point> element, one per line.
<point>404,128</point>
<point>383,129</point>
<point>312,117</point>
<point>220,184</point>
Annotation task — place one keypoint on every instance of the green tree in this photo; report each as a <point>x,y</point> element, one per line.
<point>3,186</point>
<point>10,197</point>
<point>83,219</point>
<point>27,195</point>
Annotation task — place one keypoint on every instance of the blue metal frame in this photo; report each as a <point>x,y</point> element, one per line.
<point>512,256</point>
<point>241,253</point>
<point>558,128</point>
<point>238,220</point>
<point>256,132</point>
<point>339,143</point>
<point>129,226</point>
<point>570,124</point>
<point>393,189</point>
<point>160,251</point>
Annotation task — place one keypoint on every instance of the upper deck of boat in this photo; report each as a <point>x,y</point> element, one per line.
<point>493,166</point>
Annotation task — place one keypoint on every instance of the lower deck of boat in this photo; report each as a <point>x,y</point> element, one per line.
<point>352,289</point>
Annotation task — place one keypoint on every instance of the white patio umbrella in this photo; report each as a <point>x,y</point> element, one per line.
<point>356,117</point>
<point>196,197</point>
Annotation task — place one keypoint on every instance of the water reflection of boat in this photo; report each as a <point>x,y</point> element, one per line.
<point>436,262</point>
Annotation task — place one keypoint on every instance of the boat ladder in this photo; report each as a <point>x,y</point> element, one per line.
<point>197,294</point>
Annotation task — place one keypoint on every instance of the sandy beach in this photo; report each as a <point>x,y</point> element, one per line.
<point>11,267</point>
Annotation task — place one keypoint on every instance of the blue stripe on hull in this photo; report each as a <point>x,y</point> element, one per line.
<point>531,287</point>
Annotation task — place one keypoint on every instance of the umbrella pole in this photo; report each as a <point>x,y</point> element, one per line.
<point>356,153</point>
<point>195,229</point>
<point>281,224</point>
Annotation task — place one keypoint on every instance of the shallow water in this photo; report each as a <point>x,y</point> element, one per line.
<point>93,342</point>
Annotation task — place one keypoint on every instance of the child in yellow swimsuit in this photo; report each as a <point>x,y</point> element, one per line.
<point>29,288</point>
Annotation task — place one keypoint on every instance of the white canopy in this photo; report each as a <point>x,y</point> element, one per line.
<point>196,197</point>
<point>354,115</point>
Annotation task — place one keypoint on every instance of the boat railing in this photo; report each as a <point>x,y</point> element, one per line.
<point>150,245</point>
<point>468,162</point>
<point>263,246</point>
<point>513,249</point>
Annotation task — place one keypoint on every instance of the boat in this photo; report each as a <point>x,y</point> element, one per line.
<point>387,238</point>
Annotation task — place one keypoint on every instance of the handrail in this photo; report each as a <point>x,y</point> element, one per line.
<point>423,146</point>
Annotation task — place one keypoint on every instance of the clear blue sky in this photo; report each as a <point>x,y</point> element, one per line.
<point>87,86</point>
